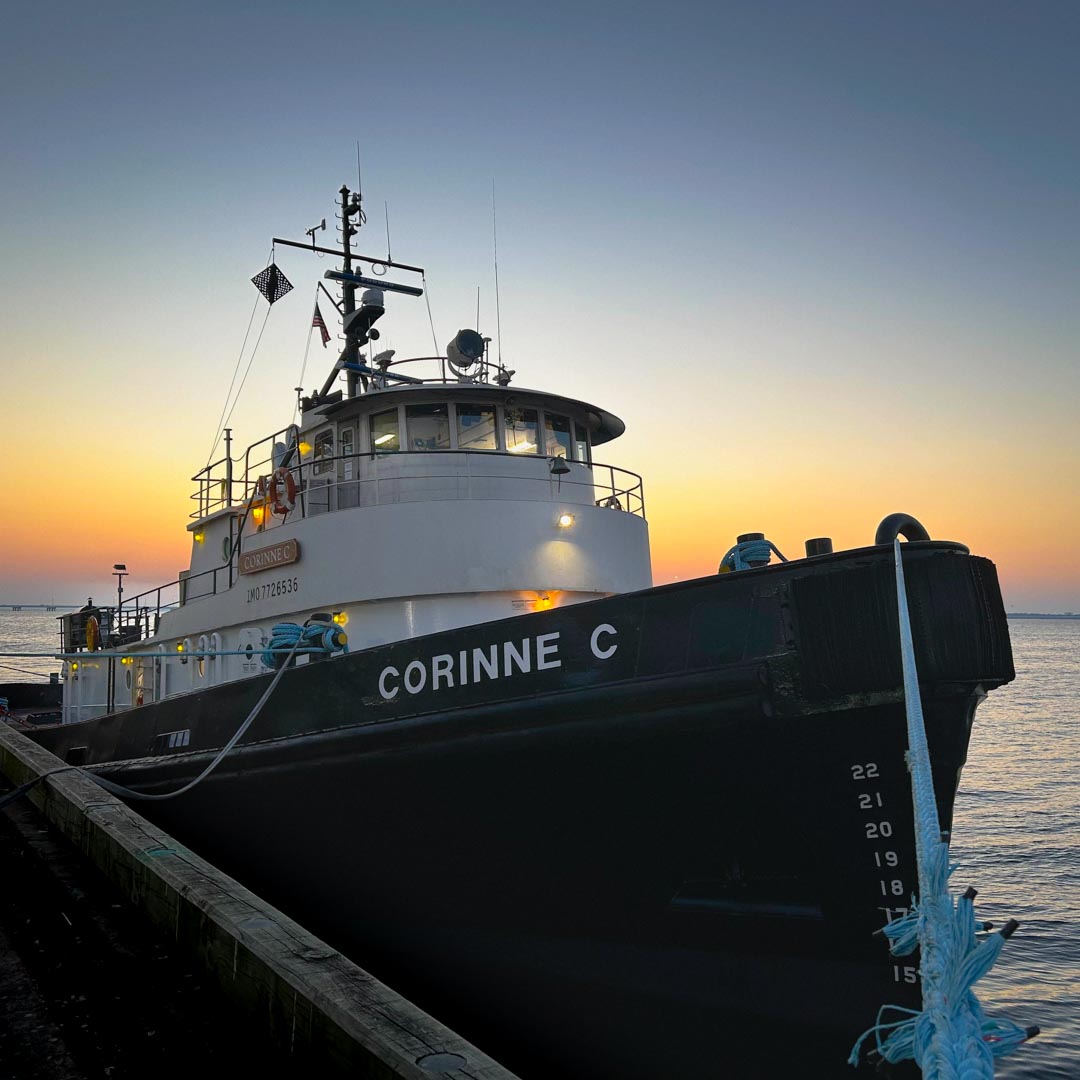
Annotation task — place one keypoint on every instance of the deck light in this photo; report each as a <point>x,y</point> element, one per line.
<point>382,440</point>
<point>127,661</point>
<point>75,665</point>
<point>305,447</point>
<point>257,514</point>
<point>522,448</point>
<point>341,617</point>
<point>565,521</point>
<point>179,646</point>
<point>200,536</point>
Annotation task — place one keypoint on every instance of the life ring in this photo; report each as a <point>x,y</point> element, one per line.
<point>93,633</point>
<point>282,492</point>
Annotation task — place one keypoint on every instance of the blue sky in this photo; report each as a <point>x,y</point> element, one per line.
<point>821,257</point>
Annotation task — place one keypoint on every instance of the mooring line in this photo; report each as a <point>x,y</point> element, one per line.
<point>950,1037</point>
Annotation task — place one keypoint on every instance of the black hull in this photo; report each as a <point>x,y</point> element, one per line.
<point>609,866</point>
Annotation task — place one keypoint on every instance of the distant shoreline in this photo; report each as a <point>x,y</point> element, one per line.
<point>1038,615</point>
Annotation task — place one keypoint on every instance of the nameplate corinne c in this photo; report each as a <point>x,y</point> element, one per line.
<point>269,558</point>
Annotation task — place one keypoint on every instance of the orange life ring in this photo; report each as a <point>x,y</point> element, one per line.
<point>282,492</point>
<point>93,633</point>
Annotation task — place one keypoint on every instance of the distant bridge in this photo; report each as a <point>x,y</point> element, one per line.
<point>39,607</point>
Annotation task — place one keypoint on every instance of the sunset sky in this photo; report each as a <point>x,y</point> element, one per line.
<point>822,258</point>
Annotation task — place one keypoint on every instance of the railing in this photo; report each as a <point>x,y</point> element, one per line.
<point>116,626</point>
<point>381,376</point>
<point>394,479</point>
<point>432,475</point>
<point>216,484</point>
<point>214,488</point>
<point>140,616</point>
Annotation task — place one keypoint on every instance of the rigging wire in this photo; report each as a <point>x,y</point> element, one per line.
<point>220,426</point>
<point>247,370</point>
<point>427,300</point>
<point>240,356</point>
<point>307,348</point>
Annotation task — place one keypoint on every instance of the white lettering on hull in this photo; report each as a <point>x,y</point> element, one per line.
<point>387,694</point>
<point>501,660</point>
<point>594,641</point>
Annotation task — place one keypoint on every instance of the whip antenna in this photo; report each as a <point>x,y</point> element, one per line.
<point>495,249</point>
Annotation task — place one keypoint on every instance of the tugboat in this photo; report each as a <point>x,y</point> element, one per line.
<point>594,823</point>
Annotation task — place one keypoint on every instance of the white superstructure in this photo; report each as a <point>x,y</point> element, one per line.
<point>411,504</point>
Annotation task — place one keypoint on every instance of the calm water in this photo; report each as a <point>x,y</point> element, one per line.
<point>1017,839</point>
<point>1016,835</point>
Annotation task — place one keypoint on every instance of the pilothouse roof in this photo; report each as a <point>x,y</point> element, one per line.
<point>603,425</point>
<point>467,372</point>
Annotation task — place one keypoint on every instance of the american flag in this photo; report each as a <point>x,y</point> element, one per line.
<point>317,322</point>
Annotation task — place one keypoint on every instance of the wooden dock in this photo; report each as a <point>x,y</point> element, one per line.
<point>313,1010</point>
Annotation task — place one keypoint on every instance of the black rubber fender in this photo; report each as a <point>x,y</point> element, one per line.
<point>900,525</point>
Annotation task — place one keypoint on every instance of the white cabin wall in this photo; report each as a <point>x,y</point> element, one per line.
<point>384,552</point>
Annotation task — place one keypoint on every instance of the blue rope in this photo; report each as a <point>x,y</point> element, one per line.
<point>743,556</point>
<point>950,1037</point>
<point>314,637</point>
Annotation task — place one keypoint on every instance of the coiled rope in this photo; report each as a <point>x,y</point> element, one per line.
<point>317,636</point>
<point>950,1037</point>
<point>749,554</point>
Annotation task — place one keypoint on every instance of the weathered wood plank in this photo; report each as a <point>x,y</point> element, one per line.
<point>318,1007</point>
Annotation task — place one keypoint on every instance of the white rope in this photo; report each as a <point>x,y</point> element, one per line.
<point>950,1038</point>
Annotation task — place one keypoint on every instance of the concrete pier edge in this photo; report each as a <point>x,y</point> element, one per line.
<point>318,1007</point>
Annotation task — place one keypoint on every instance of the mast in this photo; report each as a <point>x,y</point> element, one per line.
<point>348,292</point>
<point>358,330</point>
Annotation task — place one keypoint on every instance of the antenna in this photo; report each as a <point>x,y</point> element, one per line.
<point>495,249</point>
<point>314,229</point>
<point>359,186</point>
<point>386,211</point>
<point>478,308</point>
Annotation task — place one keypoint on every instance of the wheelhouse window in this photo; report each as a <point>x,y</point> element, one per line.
<point>581,442</point>
<point>557,436</point>
<point>522,431</point>
<point>323,452</point>
<point>385,436</point>
<point>476,427</point>
<point>428,427</point>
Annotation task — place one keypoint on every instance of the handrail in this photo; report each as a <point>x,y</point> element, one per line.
<point>484,368</point>
<point>136,610</point>
<point>632,487</point>
<point>265,467</point>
